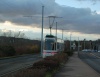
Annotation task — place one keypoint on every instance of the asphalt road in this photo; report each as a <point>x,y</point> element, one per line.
<point>92,59</point>
<point>14,64</point>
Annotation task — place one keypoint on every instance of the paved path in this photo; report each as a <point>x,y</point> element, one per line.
<point>77,68</point>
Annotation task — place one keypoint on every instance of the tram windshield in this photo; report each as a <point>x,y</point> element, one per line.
<point>49,44</point>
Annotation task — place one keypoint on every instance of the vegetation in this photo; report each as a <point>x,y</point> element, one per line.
<point>7,51</point>
<point>43,68</point>
<point>84,44</point>
<point>11,46</point>
<point>70,52</point>
<point>29,73</point>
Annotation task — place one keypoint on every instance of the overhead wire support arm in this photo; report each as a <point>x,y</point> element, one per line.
<point>51,25</point>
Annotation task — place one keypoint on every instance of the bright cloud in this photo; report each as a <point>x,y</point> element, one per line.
<point>13,12</point>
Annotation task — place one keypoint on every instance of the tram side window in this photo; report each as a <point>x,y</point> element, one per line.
<point>49,44</point>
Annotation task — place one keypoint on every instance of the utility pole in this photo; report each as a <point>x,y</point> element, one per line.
<point>42,30</point>
<point>56,28</point>
<point>90,44</point>
<point>70,41</point>
<point>56,36</point>
<point>78,45</point>
<point>84,43</point>
<point>62,34</point>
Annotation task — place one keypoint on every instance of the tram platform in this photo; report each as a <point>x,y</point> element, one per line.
<point>75,67</point>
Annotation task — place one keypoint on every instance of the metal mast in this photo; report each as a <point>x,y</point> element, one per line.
<point>42,30</point>
<point>70,41</point>
<point>56,36</point>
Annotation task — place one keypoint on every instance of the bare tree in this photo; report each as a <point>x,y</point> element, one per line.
<point>17,34</point>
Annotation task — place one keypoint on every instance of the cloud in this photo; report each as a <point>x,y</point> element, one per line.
<point>74,19</point>
<point>94,2</point>
<point>81,20</point>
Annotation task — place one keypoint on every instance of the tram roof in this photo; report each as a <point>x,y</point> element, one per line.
<point>50,36</point>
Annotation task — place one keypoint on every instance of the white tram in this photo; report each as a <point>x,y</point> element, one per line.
<point>52,46</point>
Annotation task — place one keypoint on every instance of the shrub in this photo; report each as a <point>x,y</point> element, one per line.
<point>8,50</point>
<point>60,57</point>
<point>27,49</point>
<point>51,62</point>
<point>44,67</point>
<point>29,73</point>
<point>35,48</point>
<point>70,53</point>
<point>22,50</point>
<point>48,64</point>
<point>2,54</point>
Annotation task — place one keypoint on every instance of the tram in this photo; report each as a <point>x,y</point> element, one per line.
<point>52,45</point>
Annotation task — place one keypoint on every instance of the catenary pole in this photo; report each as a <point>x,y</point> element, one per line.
<point>42,30</point>
<point>62,34</point>
<point>56,36</point>
<point>78,46</point>
<point>84,43</point>
<point>70,41</point>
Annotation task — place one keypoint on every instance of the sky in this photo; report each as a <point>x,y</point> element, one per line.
<point>80,18</point>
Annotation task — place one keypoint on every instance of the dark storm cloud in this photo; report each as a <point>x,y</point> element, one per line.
<point>74,19</point>
<point>15,10</point>
<point>80,20</point>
